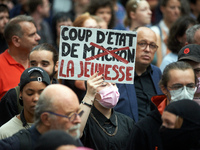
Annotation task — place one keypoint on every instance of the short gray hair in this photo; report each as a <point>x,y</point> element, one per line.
<point>45,103</point>
<point>13,27</point>
<point>191,32</point>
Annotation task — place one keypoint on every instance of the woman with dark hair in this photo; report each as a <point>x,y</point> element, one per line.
<point>177,39</point>
<point>103,9</point>
<point>60,19</point>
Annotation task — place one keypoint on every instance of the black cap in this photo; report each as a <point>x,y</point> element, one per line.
<point>25,77</point>
<point>190,52</point>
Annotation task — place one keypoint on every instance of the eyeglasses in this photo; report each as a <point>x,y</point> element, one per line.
<point>71,117</point>
<point>144,45</point>
<point>189,87</point>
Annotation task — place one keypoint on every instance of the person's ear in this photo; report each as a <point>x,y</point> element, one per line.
<point>45,118</point>
<point>16,41</point>
<point>132,15</point>
<point>56,67</point>
<point>164,90</point>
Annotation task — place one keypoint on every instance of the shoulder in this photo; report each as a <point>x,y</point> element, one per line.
<point>124,118</point>
<point>155,68</point>
<point>11,143</point>
<point>156,29</point>
<point>10,128</point>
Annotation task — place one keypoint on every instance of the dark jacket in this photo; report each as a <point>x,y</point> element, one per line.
<point>145,134</point>
<point>128,101</point>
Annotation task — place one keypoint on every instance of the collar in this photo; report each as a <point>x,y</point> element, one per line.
<point>149,70</point>
<point>101,118</point>
<point>34,131</point>
<point>9,58</point>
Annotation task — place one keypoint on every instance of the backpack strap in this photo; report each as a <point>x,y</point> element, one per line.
<point>19,106</point>
<point>24,139</point>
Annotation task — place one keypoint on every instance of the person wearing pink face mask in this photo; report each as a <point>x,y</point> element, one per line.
<point>101,126</point>
<point>191,54</point>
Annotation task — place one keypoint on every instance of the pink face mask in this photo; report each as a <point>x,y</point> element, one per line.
<point>109,97</point>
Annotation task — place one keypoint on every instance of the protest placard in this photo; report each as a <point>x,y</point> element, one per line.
<point>83,51</point>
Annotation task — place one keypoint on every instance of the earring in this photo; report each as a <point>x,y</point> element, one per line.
<point>20,98</point>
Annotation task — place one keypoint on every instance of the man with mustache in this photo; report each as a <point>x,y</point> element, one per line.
<point>57,109</point>
<point>135,98</point>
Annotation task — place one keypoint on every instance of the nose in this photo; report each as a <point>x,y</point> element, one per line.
<point>36,97</point>
<point>150,12</point>
<point>5,20</point>
<point>177,10</point>
<point>147,49</point>
<point>77,120</point>
<point>37,37</point>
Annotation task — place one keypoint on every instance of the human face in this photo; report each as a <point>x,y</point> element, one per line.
<point>143,14</point>
<point>178,77</point>
<point>103,86</point>
<point>169,120</point>
<point>30,95</point>
<point>196,37</point>
<point>196,67</point>
<point>4,18</point>
<point>30,38</point>
<point>172,11</point>
<point>145,56</point>
<point>90,23</point>
<point>63,123</point>
<point>63,23</point>
<point>45,9</point>
<point>105,13</point>
<point>44,60</point>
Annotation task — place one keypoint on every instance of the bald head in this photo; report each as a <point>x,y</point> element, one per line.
<point>56,97</point>
<point>146,48</point>
<point>146,30</point>
<point>58,93</point>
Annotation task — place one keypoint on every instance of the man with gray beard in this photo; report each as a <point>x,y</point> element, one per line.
<point>57,109</point>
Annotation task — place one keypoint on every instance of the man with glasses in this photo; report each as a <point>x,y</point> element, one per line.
<point>135,98</point>
<point>57,109</point>
<point>177,83</point>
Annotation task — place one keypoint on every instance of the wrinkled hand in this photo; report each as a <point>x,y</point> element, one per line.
<point>93,83</point>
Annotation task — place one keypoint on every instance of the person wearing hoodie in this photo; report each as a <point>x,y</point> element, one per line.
<point>177,82</point>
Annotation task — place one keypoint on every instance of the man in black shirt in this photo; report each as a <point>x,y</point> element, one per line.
<point>135,98</point>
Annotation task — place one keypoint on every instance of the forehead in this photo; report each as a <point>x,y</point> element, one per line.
<point>67,105</point>
<point>181,76</point>
<point>5,13</point>
<point>105,85</point>
<point>168,116</point>
<point>173,2</point>
<point>27,27</point>
<point>143,3</point>
<point>146,34</point>
<point>41,54</point>
<point>34,85</point>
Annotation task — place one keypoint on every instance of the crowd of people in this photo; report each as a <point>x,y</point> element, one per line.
<point>159,111</point>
